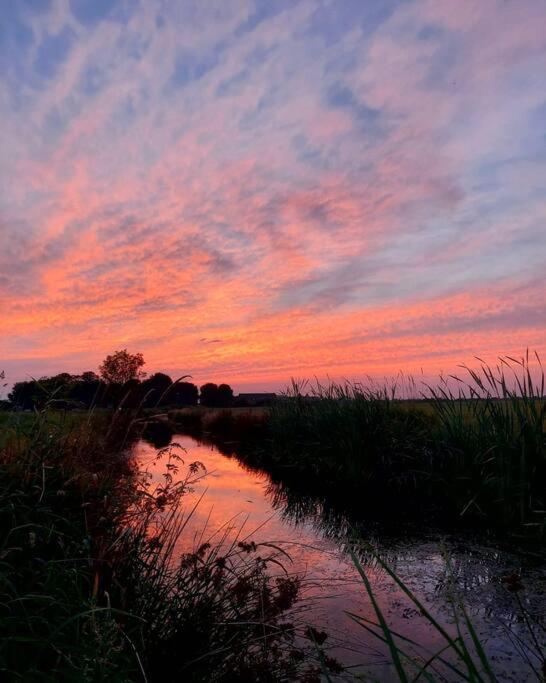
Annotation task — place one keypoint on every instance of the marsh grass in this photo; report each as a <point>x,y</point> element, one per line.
<point>471,449</point>
<point>235,425</point>
<point>50,625</point>
<point>493,433</point>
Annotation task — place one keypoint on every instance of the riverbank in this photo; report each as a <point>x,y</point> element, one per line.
<point>475,458</point>
<point>440,569</point>
<point>94,587</point>
<point>91,589</point>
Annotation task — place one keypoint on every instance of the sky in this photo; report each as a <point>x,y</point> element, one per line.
<point>253,190</point>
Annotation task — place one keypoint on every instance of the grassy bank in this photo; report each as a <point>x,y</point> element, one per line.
<point>92,586</point>
<point>470,451</point>
<point>475,453</point>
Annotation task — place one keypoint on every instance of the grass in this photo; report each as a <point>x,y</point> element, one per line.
<point>50,622</point>
<point>462,655</point>
<point>471,450</point>
<point>92,583</point>
<point>473,454</point>
<point>229,428</point>
<point>92,586</point>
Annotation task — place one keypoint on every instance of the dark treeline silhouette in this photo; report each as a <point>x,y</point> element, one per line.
<point>216,396</point>
<point>121,383</point>
<point>88,389</point>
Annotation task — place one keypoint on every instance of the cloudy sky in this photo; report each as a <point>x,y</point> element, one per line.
<point>249,190</point>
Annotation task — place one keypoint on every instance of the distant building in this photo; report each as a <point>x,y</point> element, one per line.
<point>256,399</point>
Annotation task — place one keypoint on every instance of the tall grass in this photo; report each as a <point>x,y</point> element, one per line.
<point>92,586</point>
<point>493,434</point>
<point>471,448</point>
<point>50,623</point>
<point>462,655</point>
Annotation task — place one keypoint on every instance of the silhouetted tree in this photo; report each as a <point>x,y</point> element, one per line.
<point>35,393</point>
<point>225,395</point>
<point>23,395</point>
<point>129,394</point>
<point>216,396</point>
<point>65,391</point>
<point>89,376</point>
<point>183,394</point>
<point>59,381</point>
<point>88,389</point>
<point>155,389</point>
<point>208,394</point>
<point>122,366</point>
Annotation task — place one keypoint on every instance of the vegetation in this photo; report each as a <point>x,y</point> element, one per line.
<point>93,583</point>
<point>121,367</point>
<point>121,381</point>
<point>238,426</point>
<point>477,453</point>
<point>462,656</point>
<point>92,586</point>
<point>469,452</point>
<point>214,395</point>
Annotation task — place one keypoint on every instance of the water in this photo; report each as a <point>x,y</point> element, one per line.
<point>249,504</point>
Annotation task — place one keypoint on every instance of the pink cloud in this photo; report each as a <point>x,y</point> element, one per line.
<point>395,226</point>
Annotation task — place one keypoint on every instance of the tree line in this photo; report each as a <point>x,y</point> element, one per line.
<point>120,381</point>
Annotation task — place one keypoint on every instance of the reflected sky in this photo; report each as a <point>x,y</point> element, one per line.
<point>252,507</point>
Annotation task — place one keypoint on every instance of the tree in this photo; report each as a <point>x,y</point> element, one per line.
<point>225,395</point>
<point>62,390</point>
<point>87,389</point>
<point>155,387</point>
<point>121,367</point>
<point>208,395</point>
<point>213,395</point>
<point>89,376</point>
<point>24,395</point>
<point>36,393</point>
<point>183,394</point>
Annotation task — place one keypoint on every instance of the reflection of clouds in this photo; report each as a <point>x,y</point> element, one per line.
<point>244,503</point>
<point>324,189</point>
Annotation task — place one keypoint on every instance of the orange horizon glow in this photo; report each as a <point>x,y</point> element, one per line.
<point>254,194</point>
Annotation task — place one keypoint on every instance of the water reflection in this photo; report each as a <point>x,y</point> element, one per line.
<point>157,433</point>
<point>314,532</point>
<point>475,570</point>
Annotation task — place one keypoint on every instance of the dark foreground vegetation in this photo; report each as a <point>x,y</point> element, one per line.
<point>472,451</point>
<point>92,588</point>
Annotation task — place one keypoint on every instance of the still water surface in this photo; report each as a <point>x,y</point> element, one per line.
<point>255,507</point>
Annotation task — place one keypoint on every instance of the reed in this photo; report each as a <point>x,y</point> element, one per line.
<point>472,448</point>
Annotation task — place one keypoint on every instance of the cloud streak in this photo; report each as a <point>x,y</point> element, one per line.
<point>324,188</point>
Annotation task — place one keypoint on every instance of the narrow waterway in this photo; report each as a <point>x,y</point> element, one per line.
<point>249,504</point>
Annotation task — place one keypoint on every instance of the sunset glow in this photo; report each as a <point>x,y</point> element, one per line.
<point>253,190</point>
